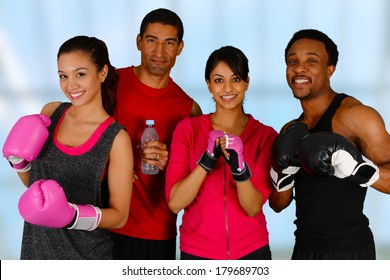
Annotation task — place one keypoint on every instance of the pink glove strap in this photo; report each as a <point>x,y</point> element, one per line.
<point>87,218</point>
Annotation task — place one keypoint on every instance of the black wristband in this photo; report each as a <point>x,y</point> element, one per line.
<point>243,175</point>
<point>207,162</point>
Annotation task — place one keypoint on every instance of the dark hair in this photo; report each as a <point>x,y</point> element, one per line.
<point>330,46</point>
<point>163,16</point>
<point>99,55</point>
<point>233,57</point>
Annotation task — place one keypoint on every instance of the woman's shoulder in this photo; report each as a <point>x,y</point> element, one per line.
<point>50,107</point>
<point>191,125</point>
<point>196,120</point>
<point>255,124</point>
<point>122,137</point>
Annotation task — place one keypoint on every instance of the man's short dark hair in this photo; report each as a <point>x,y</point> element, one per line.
<point>330,46</point>
<point>163,16</point>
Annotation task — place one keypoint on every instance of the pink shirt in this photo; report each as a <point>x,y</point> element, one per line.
<point>214,225</point>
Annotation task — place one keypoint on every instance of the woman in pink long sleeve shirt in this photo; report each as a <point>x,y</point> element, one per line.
<point>223,216</point>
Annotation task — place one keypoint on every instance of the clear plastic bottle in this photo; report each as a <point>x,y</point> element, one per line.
<point>149,134</point>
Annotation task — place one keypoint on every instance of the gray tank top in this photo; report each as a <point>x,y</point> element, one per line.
<point>80,173</point>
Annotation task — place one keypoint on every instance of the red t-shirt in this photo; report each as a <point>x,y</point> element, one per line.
<point>150,217</point>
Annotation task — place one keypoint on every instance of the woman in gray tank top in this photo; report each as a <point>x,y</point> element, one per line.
<point>79,174</point>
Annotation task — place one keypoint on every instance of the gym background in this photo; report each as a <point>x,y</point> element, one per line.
<point>31,32</point>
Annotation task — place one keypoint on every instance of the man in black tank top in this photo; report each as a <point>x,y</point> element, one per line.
<point>326,159</point>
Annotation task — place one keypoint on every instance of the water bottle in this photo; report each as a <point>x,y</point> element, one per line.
<point>149,134</point>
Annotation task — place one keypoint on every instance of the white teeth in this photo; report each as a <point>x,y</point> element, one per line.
<point>227,96</point>
<point>76,94</point>
<point>301,81</point>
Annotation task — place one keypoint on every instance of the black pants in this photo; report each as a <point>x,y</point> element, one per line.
<point>359,246</point>
<point>264,253</point>
<point>365,253</point>
<point>131,248</point>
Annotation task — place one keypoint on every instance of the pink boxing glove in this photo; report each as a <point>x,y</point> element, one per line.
<point>212,154</point>
<point>235,148</point>
<point>25,141</point>
<point>45,204</point>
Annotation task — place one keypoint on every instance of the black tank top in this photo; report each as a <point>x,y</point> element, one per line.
<point>329,210</point>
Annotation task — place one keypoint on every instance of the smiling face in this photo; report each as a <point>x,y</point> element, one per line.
<point>159,48</point>
<point>79,79</point>
<point>226,87</point>
<point>307,72</point>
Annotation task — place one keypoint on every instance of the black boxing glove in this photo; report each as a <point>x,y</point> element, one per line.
<point>284,156</point>
<point>331,154</point>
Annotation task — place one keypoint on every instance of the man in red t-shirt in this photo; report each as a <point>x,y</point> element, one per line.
<point>148,92</point>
